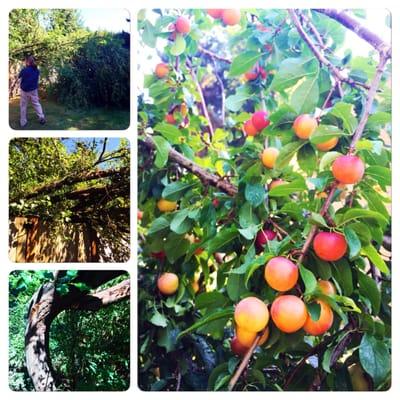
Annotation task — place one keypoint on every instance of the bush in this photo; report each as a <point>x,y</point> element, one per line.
<point>98,75</point>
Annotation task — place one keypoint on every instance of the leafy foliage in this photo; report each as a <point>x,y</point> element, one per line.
<point>81,69</point>
<point>211,237</point>
<point>48,178</point>
<point>90,351</point>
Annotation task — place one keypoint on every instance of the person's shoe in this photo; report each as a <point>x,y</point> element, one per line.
<point>42,121</point>
<point>23,125</point>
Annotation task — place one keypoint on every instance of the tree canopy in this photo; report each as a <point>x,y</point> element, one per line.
<point>246,128</point>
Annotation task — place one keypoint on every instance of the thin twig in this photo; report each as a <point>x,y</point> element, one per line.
<point>314,31</point>
<point>214,55</point>
<point>350,23</point>
<point>280,229</point>
<point>383,58</point>
<point>244,362</point>
<point>321,58</point>
<point>202,99</point>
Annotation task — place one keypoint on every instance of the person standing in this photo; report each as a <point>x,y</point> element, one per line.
<point>29,76</point>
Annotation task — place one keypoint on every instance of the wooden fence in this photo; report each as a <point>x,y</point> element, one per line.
<point>32,240</point>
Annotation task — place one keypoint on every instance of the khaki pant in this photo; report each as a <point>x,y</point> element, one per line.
<point>34,98</point>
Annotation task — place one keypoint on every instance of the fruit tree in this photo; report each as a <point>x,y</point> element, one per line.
<point>264,198</point>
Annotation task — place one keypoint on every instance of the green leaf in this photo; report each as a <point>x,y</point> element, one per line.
<point>235,102</point>
<point>149,36</point>
<point>353,242</point>
<point>162,147</point>
<point>180,223</point>
<point>355,214</point>
<point>175,247</point>
<point>175,190</point>
<point>326,360</point>
<point>167,338</point>
<point>159,319</point>
<point>318,219</point>
<point>374,358</point>
<point>342,274</point>
<point>221,381</point>
<point>370,290</point>
<point>378,119</point>
<point>235,286</point>
<point>210,300</point>
<point>224,237</point>
<point>254,193</point>
<point>305,97</point>
<point>286,189</point>
<point>324,133</point>
<point>314,309</point>
<point>158,225</point>
<point>243,62</point>
<point>309,280</point>
<point>247,217</point>
<point>258,262</point>
<point>375,203</point>
<point>307,158</point>
<point>347,303</point>
<point>375,258</point>
<point>344,111</point>
<point>179,45</point>
<point>213,316</point>
<point>250,232</point>
<point>291,70</point>
<point>287,152</point>
<point>169,132</point>
<point>327,159</point>
<point>381,174</point>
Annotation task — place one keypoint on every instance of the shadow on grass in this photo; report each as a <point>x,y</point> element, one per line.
<point>59,117</point>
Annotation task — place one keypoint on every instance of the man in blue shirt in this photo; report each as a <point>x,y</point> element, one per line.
<point>29,77</point>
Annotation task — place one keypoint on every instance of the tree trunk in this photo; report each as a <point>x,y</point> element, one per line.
<point>46,304</point>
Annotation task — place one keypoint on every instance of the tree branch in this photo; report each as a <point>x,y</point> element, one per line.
<point>349,22</point>
<point>70,180</point>
<point>207,178</point>
<point>321,58</point>
<point>202,100</point>
<point>383,58</point>
<point>244,362</point>
<point>46,304</point>
<point>214,55</point>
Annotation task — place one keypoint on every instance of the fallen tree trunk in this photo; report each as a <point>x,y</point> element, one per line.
<point>46,304</point>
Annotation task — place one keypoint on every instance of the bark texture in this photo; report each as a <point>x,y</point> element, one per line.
<point>46,304</point>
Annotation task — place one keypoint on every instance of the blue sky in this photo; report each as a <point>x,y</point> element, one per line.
<point>112,143</point>
<point>109,19</point>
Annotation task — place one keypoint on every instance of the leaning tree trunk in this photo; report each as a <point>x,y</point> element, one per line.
<point>46,304</point>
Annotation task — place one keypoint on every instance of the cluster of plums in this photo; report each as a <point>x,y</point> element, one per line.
<point>346,169</point>
<point>288,312</point>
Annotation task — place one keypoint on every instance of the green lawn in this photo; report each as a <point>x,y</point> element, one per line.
<point>59,117</point>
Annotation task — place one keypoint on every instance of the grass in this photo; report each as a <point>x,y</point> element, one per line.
<point>59,117</point>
